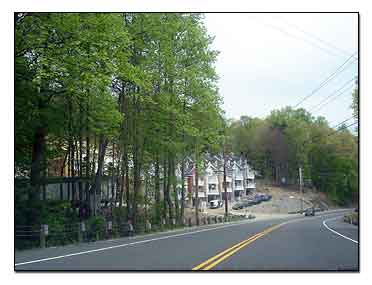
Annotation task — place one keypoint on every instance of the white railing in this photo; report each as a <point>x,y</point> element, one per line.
<point>251,185</point>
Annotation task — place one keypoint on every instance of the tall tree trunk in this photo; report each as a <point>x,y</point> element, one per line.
<point>61,174</point>
<point>69,171</point>
<point>169,182</point>
<point>113,173</point>
<point>118,193</point>
<point>73,171</point>
<point>157,191</point>
<point>72,148</point>
<point>87,153</point>
<point>127,185</point>
<point>96,187</point>
<point>122,184</point>
<point>93,169</point>
<point>165,190</point>
<point>183,164</point>
<point>182,214</point>
<point>137,157</point>
<point>174,184</point>
<point>81,155</point>
<point>196,191</point>
<point>136,181</point>
<point>44,171</point>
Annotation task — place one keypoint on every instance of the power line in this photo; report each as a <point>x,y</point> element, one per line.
<point>331,133</point>
<point>299,38</point>
<point>333,93</point>
<point>332,96</point>
<point>332,99</point>
<point>339,124</point>
<point>314,37</point>
<point>341,68</point>
<point>336,131</point>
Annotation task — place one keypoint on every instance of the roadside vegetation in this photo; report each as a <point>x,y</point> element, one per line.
<point>291,138</point>
<point>130,96</point>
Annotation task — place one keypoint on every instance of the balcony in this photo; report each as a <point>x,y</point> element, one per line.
<point>212,180</point>
<point>250,185</point>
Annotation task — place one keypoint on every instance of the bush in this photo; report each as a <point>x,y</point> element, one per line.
<point>96,228</point>
<point>61,219</point>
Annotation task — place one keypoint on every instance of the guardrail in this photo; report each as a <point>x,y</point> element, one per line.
<point>28,236</point>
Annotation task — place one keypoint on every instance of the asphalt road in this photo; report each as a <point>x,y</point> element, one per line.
<point>322,242</point>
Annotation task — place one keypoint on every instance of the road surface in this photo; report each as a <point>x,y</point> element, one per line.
<point>322,242</point>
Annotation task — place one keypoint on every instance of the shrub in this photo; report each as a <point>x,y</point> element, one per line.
<point>96,227</point>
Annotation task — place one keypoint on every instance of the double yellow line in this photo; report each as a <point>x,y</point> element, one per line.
<point>213,261</point>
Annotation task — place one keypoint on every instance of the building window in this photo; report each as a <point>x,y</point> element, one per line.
<point>212,187</point>
<point>238,183</point>
<point>228,185</point>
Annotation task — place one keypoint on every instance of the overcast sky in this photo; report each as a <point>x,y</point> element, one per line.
<point>268,61</point>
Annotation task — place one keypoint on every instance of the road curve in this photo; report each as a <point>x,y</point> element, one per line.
<point>295,243</point>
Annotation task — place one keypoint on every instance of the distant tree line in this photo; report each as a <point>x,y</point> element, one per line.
<point>291,138</point>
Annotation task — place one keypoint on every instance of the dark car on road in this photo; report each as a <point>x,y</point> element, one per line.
<point>257,199</point>
<point>266,197</point>
<point>262,197</point>
<point>249,202</point>
<point>310,212</point>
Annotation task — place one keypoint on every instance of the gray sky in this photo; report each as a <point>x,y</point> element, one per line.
<point>266,63</point>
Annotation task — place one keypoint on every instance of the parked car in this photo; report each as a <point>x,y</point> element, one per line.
<point>310,212</point>
<point>248,202</point>
<point>266,197</point>
<point>238,206</point>
<point>214,204</point>
<point>257,199</point>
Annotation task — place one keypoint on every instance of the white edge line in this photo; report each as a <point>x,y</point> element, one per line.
<point>337,233</point>
<point>127,244</point>
<point>139,242</point>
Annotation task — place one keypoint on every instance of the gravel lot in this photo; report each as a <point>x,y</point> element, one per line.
<point>282,202</point>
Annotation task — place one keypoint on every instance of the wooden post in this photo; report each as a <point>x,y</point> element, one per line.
<point>43,234</point>
<point>81,230</point>
<point>109,229</point>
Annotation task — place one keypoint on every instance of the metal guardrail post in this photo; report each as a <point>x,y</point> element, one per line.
<point>81,231</point>
<point>44,231</point>
<point>109,228</point>
<point>148,226</point>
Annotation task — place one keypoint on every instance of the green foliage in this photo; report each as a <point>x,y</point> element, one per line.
<point>287,139</point>
<point>62,222</point>
<point>96,227</point>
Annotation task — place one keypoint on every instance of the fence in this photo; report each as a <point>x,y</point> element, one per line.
<point>27,236</point>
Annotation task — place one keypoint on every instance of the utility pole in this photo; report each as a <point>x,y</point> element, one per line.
<point>301,189</point>
<point>224,182</point>
<point>197,189</point>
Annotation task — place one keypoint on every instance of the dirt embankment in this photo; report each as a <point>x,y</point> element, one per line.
<point>282,202</point>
